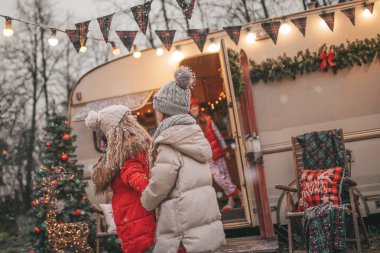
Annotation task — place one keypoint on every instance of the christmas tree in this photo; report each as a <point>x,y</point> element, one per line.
<point>59,191</point>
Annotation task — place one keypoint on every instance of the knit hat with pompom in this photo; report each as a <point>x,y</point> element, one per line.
<point>174,97</point>
<point>106,118</point>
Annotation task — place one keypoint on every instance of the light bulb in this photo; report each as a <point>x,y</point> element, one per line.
<point>53,41</point>
<point>8,31</point>
<point>213,47</point>
<point>323,24</point>
<point>366,13</point>
<point>83,49</point>
<point>136,52</point>
<point>177,55</point>
<point>159,51</point>
<point>251,37</point>
<point>115,49</point>
<point>285,28</point>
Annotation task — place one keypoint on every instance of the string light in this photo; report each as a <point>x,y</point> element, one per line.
<point>323,24</point>
<point>83,48</point>
<point>159,51</point>
<point>53,41</point>
<point>177,55</point>
<point>213,47</point>
<point>366,12</point>
<point>136,52</point>
<point>115,49</point>
<point>251,36</point>
<point>285,28</point>
<point>8,31</point>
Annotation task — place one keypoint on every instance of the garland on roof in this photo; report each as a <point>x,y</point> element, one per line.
<point>354,53</point>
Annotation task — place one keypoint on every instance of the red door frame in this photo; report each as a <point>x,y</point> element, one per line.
<point>259,183</point>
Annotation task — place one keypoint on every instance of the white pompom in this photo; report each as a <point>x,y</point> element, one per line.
<point>184,77</point>
<point>92,120</point>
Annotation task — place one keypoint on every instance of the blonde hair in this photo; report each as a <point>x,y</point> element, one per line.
<point>125,140</point>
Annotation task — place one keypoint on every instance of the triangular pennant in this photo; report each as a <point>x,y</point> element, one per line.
<point>350,14</point>
<point>329,19</point>
<point>83,30</point>
<point>74,36</point>
<point>370,6</point>
<point>127,37</point>
<point>105,24</point>
<point>199,36</point>
<point>300,23</point>
<point>141,15</point>
<point>166,37</point>
<point>234,33</point>
<point>187,7</point>
<point>272,28</point>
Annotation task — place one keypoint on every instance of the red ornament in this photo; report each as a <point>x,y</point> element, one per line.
<point>66,137</point>
<point>77,212</point>
<point>37,230</point>
<point>5,152</point>
<point>84,197</point>
<point>48,144</point>
<point>34,202</point>
<point>64,157</point>
<point>66,122</point>
<point>53,183</point>
<point>52,167</point>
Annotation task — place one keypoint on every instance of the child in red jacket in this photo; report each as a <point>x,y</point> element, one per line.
<point>124,167</point>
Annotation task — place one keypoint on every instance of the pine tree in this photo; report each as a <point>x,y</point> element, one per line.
<point>59,177</point>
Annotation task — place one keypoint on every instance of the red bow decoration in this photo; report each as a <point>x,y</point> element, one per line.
<point>327,59</point>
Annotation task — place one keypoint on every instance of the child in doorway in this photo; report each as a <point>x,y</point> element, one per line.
<point>125,168</point>
<point>218,163</point>
<point>181,181</point>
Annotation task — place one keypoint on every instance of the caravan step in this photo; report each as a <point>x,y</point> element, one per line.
<point>249,245</point>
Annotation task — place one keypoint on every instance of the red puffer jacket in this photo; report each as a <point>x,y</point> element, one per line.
<point>135,226</point>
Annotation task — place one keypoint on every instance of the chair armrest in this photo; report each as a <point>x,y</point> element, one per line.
<point>285,188</point>
<point>349,181</point>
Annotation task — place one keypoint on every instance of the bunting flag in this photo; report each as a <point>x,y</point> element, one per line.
<point>369,6</point>
<point>166,37</point>
<point>141,15</point>
<point>74,36</point>
<point>234,33</point>
<point>272,28</point>
<point>329,19</point>
<point>300,23</point>
<point>127,37</point>
<point>83,30</point>
<point>187,7</point>
<point>105,24</point>
<point>199,36</point>
<point>350,14</point>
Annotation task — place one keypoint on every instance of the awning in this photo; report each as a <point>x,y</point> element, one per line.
<point>133,101</point>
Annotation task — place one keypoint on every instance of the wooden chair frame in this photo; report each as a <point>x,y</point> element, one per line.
<point>291,210</point>
<point>101,225</point>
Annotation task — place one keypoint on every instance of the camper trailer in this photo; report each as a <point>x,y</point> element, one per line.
<point>348,100</point>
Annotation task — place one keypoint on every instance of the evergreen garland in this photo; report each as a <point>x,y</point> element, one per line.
<point>236,74</point>
<point>358,52</point>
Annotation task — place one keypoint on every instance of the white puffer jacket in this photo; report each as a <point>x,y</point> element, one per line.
<point>181,186</point>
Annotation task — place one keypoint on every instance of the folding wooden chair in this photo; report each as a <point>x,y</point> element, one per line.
<point>291,205</point>
<point>101,225</point>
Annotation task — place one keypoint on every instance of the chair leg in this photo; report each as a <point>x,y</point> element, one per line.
<point>289,209</point>
<point>365,232</point>
<point>355,220</point>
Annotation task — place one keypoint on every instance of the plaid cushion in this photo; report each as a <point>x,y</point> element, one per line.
<point>329,19</point>
<point>320,187</point>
